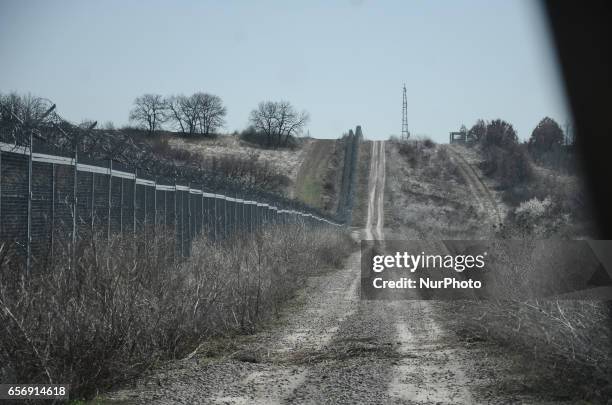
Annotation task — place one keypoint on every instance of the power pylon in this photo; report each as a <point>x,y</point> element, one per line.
<point>405,132</point>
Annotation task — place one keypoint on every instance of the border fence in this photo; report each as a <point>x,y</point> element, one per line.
<point>48,197</point>
<point>349,175</point>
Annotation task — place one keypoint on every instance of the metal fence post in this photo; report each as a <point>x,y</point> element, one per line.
<point>189,234</point>
<point>29,235</point>
<point>225,217</point>
<point>93,199</point>
<point>216,219</point>
<point>235,213</point>
<point>182,225</point>
<point>251,217</point>
<point>134,204</point>
<point>144,217</point>
<point>52,233</point>
<point>121,209</point>
<point>175,223</point>
<point>155,210</point>
<point>74,202</point>
<point>110,199</point>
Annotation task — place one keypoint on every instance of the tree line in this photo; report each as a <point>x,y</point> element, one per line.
<point>545,137</point>
<point>199,113</point>
<point>272,123</point>
<point>509,160</point>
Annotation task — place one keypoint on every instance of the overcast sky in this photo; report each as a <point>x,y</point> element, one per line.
<point>343,61</point>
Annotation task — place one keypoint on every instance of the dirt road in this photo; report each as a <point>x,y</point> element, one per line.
<point>481,193</point>
<point>427,370</point>
<point>331,347</point>
<point>376,187</point>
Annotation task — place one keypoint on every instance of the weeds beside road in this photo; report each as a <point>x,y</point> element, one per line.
<point>124,309</point>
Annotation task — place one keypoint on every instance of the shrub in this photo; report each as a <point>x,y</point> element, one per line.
<point>160,146</point>
<point>428,143</point>
<point>509,165</point>
<point>567,216</point>
<point>413,150</point>
<point>126,306</point>
<point>499,133</point>
<point>250,171</point>
<point>535,218</point>
<point>477,132</point>
<point>251,135</point>
<point>547,136</point>
<point>572,337</point>
<point>504,158</point>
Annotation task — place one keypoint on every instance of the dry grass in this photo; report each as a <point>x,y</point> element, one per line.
<point>427,196</point>
<point>249,168</point>
<point>284,161</point>
<point>124,308</point>
<point>569,339</point>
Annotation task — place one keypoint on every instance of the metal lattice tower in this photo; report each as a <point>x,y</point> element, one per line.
<point>405,132</point>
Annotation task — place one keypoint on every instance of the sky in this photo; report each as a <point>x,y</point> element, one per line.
<point>344,62</point>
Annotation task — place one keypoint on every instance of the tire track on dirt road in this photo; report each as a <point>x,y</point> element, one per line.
<point>380,190</point>
<point>376,186</point>
<point>481,192</point>
<point>332,348</point>
<point>428,368</point>
<point>272,364</point>
<point>373,174</point>
<point>398,353</point>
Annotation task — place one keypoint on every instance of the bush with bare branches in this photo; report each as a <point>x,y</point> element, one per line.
<point>127,306</point>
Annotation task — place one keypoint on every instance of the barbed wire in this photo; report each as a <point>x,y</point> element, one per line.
<point>56,135</point>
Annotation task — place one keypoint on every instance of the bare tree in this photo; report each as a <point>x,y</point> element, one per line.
<point>211,112</point>
<point>150,111</point>
<point>279,121</point>
<point>264,119</point>
<point>176,112</point>
<point>199,113</point>
<point>15,107</point>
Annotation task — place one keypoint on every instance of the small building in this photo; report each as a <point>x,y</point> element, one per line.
<point>458,137</point>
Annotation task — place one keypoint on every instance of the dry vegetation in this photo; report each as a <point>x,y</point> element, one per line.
<point>427,196</point>
<point>274,169</point>
<point>569,339</point>
<point>125,308</point>
<point>226,157</point>
<point>319,176</point>
<point>549,205</point>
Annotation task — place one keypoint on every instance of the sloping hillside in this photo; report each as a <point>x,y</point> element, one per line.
<point>311,172</point>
